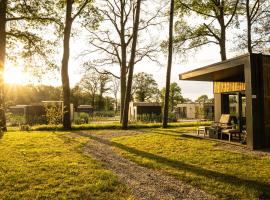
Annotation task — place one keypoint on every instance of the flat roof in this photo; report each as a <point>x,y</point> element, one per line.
<point>85,106</point>
<point>231,70</point>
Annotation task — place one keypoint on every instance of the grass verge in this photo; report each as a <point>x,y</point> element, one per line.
<point>117,126</point>
<point>47,165</point>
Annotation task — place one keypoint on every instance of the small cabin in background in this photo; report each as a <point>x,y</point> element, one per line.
<point>36,113</point>
<point>141,111</point>
<point>85,109</point>
<point>195,111</point>
<point>32,114</point>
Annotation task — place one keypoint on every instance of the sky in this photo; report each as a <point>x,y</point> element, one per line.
<point>190,89</point>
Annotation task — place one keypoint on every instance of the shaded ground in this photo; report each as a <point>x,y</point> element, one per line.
<point>242,150</point>
<point>145,183</point>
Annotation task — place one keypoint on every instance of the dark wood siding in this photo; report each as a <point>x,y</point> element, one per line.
<point>257,101</point>
<point>266,79</point>
<point>156,110</point>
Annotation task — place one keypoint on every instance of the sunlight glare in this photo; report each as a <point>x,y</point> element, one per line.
<point>15,75</point>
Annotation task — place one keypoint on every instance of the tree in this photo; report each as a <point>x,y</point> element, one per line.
<point>217,15</point>
<point>65,59</point>
<point>115,89</point>
<point>18,16</point>
<point>77,95</point>
<point>169,68</point>
<point>3,11</point>
<point>131,64</point>
<point>187,100</point>
<point>203,99</point>
<point>104,79</point>
<point>175,96</point>
<point>145,87</point>
<point>113,41</point>
<point>29,94</point>
<point>257,17</point>
<point>96,85</point>
<point>90,84</point>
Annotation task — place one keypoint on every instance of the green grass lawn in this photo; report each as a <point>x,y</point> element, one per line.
<point>198,162</point>
<point>47,165</point>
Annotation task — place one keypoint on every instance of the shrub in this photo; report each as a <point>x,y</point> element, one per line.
<point>15,120</point>
<point>104,114</point>
<point>150,118</point>
<point>81,118</point>
<point>172,117</point>
<point>54,114</point>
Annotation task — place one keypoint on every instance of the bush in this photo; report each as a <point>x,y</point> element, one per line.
<point>105,114</point>
<point>15,120</point>
<point>81,118</point>
<point>150,118</point>
<point>172,117</point>
<point>54,114</point>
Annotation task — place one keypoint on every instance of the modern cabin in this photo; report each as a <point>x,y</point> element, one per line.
<point>195,111</point>
<point>247,78</point>
<point>85,109</point>
<point>36,113</point>
<point>139,110</point>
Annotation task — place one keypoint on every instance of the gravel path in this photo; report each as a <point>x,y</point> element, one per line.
<point>144,183</point>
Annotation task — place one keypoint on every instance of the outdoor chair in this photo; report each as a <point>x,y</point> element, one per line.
<point>224,122</point>
<point>230,133</point>
<point>203,129</point>
<point>216,128</point>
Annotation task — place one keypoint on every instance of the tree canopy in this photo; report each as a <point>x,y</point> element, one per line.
<point>145,88</point>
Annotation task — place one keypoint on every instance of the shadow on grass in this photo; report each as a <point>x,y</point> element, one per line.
<point>262,188</point>
<point>179,134</point>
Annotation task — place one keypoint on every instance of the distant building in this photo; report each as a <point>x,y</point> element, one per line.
<point>85,109</point>
<point>140,110</point>
<point>36,113</point>
<point>195,111</point>
<point>32,114</point>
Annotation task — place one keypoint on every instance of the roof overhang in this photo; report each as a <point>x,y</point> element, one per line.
<point>231,70</point>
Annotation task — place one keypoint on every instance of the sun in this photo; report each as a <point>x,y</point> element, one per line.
<point>15,75</point>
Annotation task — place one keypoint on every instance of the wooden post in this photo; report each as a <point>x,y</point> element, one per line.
<point>240,111</point>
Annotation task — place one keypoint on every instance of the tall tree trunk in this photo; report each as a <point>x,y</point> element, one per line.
<point>222,42</point>
<point>65,62</point>
<point>223,45</point>
<point>169,68</point>
<point>100,98</point>
<point>123,86</point>
<point>131,65</point>
<point>123,70</point>
<point>3,10</point>
<point>93,101</point>
<point>249,41</point>
<point>115,104</point>
<point>172,101</point>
